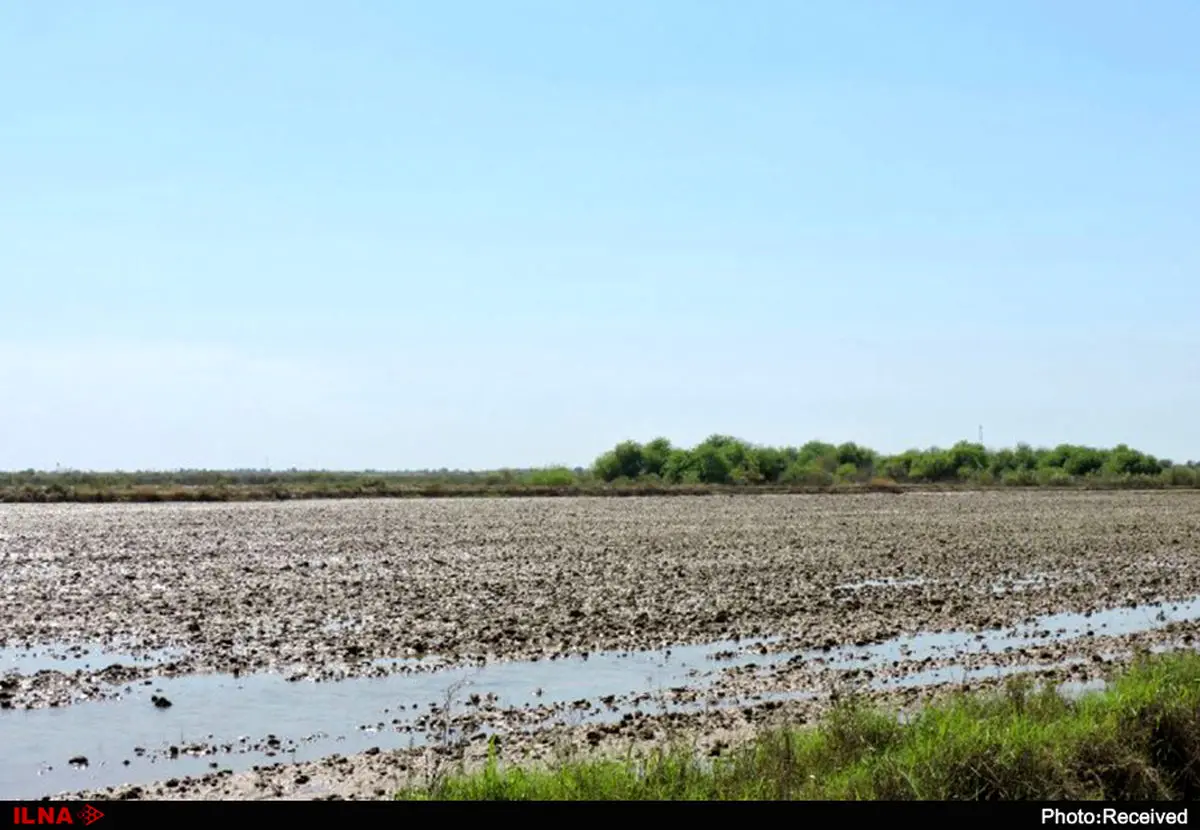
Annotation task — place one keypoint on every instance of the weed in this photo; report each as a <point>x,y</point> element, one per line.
<point>1137,739</point>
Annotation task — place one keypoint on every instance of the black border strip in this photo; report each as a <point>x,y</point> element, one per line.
<point>123,814</point>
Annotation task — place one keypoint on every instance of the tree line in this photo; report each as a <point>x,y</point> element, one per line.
<point>723,459</point>
<point>631,467</point>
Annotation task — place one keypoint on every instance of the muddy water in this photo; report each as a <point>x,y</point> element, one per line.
<point>1041,631</point>
<point>229,721</point>
<point>311,719</point>
<point>69,659</point>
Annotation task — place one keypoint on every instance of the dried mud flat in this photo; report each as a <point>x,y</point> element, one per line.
<point>762,604</point>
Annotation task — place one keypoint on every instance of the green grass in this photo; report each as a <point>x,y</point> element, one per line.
<point>285,488</point>
<point>1138,740</point>
<point>350,489</point>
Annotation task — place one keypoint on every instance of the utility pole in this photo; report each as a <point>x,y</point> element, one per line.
<point>981,433</point>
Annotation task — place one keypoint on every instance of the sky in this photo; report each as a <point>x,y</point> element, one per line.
<point>400,235</point>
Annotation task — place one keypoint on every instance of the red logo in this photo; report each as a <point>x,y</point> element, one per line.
<point>89,815</point>
<point>86,816</point>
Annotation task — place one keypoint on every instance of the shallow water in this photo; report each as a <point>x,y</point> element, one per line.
<point>882,583</point>
<point>38,743</point>
<point>960,674</point>
<point>1109,623</point>
<point>314,720</point>
<point>69,659</point>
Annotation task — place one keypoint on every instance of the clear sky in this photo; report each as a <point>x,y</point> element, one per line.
<point>383,234</point>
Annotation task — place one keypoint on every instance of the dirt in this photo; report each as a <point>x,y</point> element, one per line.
<point>320,590</point>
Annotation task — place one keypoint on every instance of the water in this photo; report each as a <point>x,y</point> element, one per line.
<point>38,743</point>
<point>1112,622</point>
<point>960,674</point>
<point>68,659</point>
<point>314,720</point>
<point>1030,582</point>
<point>613,714</point>
<point>882,583</point>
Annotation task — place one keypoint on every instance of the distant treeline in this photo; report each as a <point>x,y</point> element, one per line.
<point>720,463</point>
<point>721,459</point>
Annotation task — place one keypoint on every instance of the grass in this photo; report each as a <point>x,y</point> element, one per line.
<point>288,490</point>
<point>351,486</point>
<point>1137,740</point>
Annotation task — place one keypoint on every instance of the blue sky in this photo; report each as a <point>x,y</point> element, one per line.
<point>474,234</point>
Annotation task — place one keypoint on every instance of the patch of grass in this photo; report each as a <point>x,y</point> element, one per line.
<point>1137,740</point>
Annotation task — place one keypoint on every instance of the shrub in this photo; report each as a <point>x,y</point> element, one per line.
<point>1053,477</point>
<point>846,472</point>
<point>1181,476</point>
<point>1019,478</point>
<point>552,477</point>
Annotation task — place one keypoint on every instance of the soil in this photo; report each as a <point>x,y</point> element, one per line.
<point>321,590</point>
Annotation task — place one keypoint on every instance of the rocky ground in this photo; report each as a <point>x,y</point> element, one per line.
<point>319,590</point>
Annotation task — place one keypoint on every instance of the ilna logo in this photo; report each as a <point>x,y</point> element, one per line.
<point>84,816</point>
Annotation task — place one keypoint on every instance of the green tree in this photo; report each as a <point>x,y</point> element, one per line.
<point>769,462</point>
<point>607,467</point>
<point>711,464</point>
<point>969,456</point>
<point>862,458</point>
<point>847,472</point>
<point>812,473</point>
<point>1025,458</point>
<point>680,468</point>
<point>1084,461</point>
<point>655,455</point>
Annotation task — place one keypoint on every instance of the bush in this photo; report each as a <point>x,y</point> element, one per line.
<point>846,473</point>
<point>552,477</point>
<point>810,474</point>
<point>1053,477</point>
<point>1019,478</point>
<point>1181,476</point>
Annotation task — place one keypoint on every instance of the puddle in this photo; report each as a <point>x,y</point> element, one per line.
<point>881,583</point>
<point>315,720</point>
<point>1031,582</point>
<point>959,674</point>
<point>613,714</point>
<point>1043,630</point>
<point>430,663</point>
<point>70,659</point>
<point>39,743</point>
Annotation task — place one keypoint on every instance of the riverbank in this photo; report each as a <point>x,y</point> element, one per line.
<point>1139,739</point>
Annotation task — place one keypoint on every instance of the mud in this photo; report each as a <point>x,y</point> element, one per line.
<point>190,643</point>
